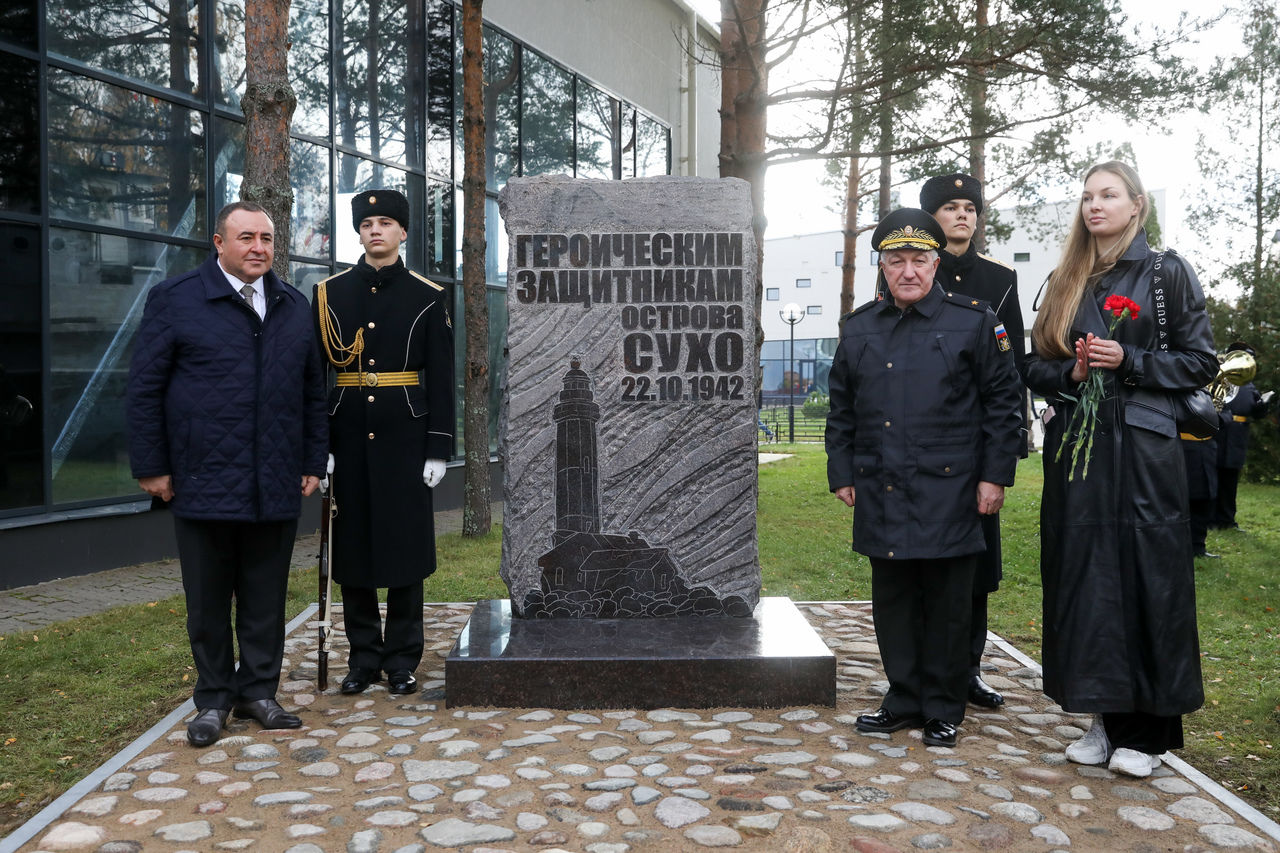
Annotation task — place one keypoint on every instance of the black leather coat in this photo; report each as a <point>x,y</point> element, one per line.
<point>1115,554</point>
<point>383,534</point>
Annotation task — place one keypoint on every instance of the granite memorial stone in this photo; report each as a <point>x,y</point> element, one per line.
<point>629,403</point>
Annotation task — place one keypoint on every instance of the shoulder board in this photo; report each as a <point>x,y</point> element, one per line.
<point>332,277</point>
<point>863,307</point>
<point>969,302</point>
<point>996,261</point>
<point>425,280</point>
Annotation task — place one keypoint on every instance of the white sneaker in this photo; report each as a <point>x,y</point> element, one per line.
<point>1130,762</point>
<point>1093,748</point>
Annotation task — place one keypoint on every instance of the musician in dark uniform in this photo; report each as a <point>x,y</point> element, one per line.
<point>922,440</point>
<point>1233,442</point>
<point>386,333</point>
<point>1201,456</point>
<point>956,202</point>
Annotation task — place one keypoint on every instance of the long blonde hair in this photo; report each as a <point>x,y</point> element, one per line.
<point>1080,267</point>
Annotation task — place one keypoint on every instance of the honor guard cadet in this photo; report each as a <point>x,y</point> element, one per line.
<point>1233,441</point>
<point>956,202</point>
<point>922,440</point>
<point>386,333</point>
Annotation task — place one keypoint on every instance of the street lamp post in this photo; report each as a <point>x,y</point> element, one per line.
<point>791,314</point>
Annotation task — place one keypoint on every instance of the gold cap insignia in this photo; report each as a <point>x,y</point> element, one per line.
<point>959,182</point>
<point>973,302</point>
<point>373,199</point>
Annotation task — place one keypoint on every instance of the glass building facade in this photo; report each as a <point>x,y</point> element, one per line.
<point>121,136</point>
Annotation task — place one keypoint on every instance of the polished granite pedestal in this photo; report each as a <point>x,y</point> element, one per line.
<point>771,659</point>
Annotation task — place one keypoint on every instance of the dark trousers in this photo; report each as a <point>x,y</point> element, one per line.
<point>921,610</point>
<point>398,645</point>
<point>1144,732</point>
<point>977,630</point>
<point>1201,513</point>
<point>247,562</point>
<point>1224,513</point>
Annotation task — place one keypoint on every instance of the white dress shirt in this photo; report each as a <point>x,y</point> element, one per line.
<point>259,300</point>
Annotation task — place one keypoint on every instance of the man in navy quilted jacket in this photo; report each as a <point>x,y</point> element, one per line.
<point>227,424</point>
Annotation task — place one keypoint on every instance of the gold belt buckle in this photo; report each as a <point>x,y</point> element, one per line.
<point>371,379</point>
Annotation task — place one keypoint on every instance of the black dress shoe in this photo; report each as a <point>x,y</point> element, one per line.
<point>981,694</point>
<point>358,680</point>
<point>268,713</point>
<point>885,720</point>
<point>1206,555</point>
<point>401,681</point>
<point>206,728</point>
<point>939,733</point>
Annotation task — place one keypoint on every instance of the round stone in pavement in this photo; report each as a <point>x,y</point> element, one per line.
<point>452,832</point>
<point>713,836</point>
<point>1234,837</point>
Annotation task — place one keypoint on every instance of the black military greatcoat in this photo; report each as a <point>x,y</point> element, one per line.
<point>981,277</point>
<point>383,534</point>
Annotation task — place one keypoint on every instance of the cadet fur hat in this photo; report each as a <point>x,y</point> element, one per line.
<point>1242,346</point>
<point>938,191</point>
<point>908,228</point>
<point>380,203</point>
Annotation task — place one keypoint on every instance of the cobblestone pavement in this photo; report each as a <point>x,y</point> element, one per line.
<point>382,774</point>
<point>31,608</point>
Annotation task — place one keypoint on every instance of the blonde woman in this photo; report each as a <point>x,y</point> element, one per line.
<point>1120,635</point>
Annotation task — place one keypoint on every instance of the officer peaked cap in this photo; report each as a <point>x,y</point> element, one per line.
<point>380,203</point>
<point>908,228</point>
<point>938,191</point>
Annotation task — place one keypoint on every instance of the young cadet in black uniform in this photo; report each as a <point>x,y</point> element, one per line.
<point>1233,442</point>
<point>387,335</point>
<point>922,440</point>
<point>956,202</point>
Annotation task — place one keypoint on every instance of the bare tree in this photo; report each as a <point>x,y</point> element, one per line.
<point>475,424</point>
<point>268,105</point>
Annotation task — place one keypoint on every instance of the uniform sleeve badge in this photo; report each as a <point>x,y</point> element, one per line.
<point>1002,338</point>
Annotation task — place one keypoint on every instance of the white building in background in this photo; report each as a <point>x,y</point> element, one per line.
<point>805,270</point>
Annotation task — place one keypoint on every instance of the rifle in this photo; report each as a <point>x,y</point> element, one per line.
<point>327,511</point>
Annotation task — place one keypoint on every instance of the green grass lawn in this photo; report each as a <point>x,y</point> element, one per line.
<point>75,693</point>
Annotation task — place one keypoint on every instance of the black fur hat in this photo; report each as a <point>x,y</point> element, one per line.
<point>938,191</point>
<point>380,203</point>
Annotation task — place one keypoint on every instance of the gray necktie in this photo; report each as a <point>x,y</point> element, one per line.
<point>247,293</point>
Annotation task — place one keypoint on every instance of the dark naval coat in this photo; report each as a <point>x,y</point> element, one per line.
<point>383,534</point>
<point>924,405</point>
<point>983,277</point>
<point>1115,547</point>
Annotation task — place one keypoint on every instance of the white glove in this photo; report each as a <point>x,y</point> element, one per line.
<point>1266,397</point>
<point>328,469</point>
<point>433,472</point>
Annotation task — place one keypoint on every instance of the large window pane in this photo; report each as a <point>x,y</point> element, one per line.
<point>653,146</point>
<point>598,133</point>
<point>154,42</point>
<point>18,23</point>
<point>120,158</point>
<point>627,141</point>
<point>309,174</point>
<point>309,65</point>
<point>19,134</point>
<point>438,230</point>
<point>228,52</point>
<point>21,400</point>
<point>501,109</point>
<point>355,175</point>
<point>496,300</point>
<point>305,276</point>
<point>440,80</point>
<point>372,76</point>
<point>98,286</point>
<point>495,244</point>
<point>546,118</point>
<point>228,161</point>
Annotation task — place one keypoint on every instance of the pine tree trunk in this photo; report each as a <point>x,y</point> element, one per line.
<point>475,423</point>
<point>848,270</point>
<point>268,105</point>
<point>978,122</point>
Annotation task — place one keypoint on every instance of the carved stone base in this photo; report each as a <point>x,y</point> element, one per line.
<point>772,659</point>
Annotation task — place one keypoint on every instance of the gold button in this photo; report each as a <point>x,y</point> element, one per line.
<point>957,278</point>
<point>889,365</point>
<point>370,435</point>
<point>372,362</point>
<point>888,424</point>
<point>373,290</point>
<point>371,326</point>
<point>946,470</point>
<point>886,488</point>
<point>890,553</point>
<point>370,398</point>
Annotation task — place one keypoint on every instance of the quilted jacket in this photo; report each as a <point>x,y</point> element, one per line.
<point>232,407</point>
